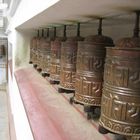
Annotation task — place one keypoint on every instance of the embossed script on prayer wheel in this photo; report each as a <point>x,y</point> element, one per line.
<point>120,112</point>
<point>2,50</point>
<point>90,68</point>
<point>68,63</point>
<point>55,59</point>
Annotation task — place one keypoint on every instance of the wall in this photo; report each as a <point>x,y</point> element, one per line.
<point>22,51</point>
<point>21,56</point>
<point>114,31</point>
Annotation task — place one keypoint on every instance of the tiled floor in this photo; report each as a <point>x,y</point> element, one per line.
<point>4,108</point>
<point>4,119</point>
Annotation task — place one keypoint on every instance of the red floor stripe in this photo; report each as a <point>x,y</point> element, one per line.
<point>105,136</point>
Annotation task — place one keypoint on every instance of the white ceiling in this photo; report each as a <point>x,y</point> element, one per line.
<point>66,11</point>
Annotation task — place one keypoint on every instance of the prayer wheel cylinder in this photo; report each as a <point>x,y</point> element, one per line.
<point>45,47</point>
<point>41,49</point>
<point>120,112</point>
<point>55,58</point>
<point>35,50</point>
<point>68,63</point>
<point>90,68</point>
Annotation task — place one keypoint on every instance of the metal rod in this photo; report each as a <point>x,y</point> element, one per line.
<point>136,28</point>
<point>64,33</point>
<point>78,29</point>
<point>37,33</point>
<point>100,27</point>
<point>42,32</point>
<point>54,32</point>
<point>47,32</point>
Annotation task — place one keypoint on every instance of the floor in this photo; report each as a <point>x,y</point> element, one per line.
<point>50,114</point>
<point>4,105</point>
<point>4,120</point>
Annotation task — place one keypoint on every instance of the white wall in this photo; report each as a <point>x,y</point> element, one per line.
<point>22,49</point>
<point>28,9</point>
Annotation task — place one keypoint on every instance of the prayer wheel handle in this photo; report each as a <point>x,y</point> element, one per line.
<point>42,32</point>
<point>100,26</point>
<point>136,28</point>
<point>64,31</point>
<point>78,29</point>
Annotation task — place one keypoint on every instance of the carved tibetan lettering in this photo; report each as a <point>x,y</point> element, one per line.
<point>67,76</point>
<point>68,58</point>
<point>98,63</point>
<point>119,110</point>
<point>73,77</point>
<point>118,76</point>
<point>97,89</point>
<point>105,104</point>
<point>77,85</point>
<point>86,63</point>
<point>135,79</point>
<point>133,112</point>
<point>87,88</point>
<point>53,69</point>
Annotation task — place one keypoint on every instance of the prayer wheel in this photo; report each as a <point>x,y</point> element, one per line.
<point>2,50</point>
<point>55,58</point>
<point>90,69</point>
<point>68,62</point>
<point>120,112</point>
<point>40,51</point>
<point>35,50</point>
<point>45,64</point>
<point>33,47</point>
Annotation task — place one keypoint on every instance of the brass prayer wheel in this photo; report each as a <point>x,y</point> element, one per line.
<point>33,47</point>
<point>40,50</point>
<point>68,62</point>
<point>90,68</point>
<point>35,50</point>
<point>120,112</point>
<point>55,57</point>
<point>45,54</point>
<point>45,60</point>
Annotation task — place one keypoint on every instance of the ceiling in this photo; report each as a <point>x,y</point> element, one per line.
<point>69,11</point>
